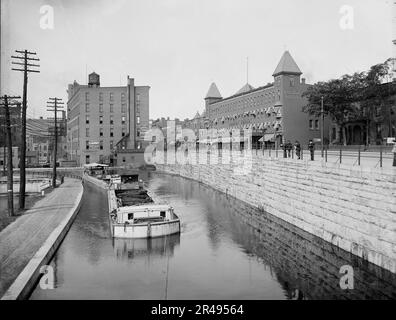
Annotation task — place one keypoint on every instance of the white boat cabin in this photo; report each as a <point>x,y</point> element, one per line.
<point>145,214</point>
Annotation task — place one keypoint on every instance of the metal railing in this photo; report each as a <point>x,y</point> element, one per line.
<point>377,157</point>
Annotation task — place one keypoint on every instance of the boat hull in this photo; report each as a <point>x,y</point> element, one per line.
<point>145,230</point>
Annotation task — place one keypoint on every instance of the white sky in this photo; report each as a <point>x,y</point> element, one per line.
<point>178,47</point>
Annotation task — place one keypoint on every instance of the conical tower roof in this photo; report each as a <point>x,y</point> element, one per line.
<point>246,88</point>
<point>213,92</point>
<point>287,65</point>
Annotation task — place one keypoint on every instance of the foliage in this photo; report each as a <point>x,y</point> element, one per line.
<point>352,97</point>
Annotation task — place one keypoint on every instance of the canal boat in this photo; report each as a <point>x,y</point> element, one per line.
<point>144,221</point>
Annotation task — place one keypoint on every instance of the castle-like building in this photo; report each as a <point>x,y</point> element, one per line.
<point>273,112</point>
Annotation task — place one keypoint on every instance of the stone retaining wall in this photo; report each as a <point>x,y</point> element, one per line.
<point>353,208</point>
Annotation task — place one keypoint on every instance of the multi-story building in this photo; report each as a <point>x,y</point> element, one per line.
<point>273,112</point>
<point>375,122</point>
<point>40,140</point>
<point>15,120</point>
<point>107,124</point>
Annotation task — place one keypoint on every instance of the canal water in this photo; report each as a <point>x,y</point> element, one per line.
<point>218,255</point>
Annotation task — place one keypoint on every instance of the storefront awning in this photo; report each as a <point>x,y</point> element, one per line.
<point>267,137</point>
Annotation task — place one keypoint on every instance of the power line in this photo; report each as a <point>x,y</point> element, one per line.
<point>26,57</point>
<point>10,192</point>
<point>54,104</point>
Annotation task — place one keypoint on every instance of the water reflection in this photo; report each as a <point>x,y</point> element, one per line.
<point>145,248</point>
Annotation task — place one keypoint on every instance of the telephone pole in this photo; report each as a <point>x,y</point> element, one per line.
<point>55,104</point>
<point>6,103</point>
<point>23,60</point>
<point>322,125</point>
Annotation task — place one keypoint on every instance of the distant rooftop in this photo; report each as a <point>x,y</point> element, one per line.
<point>246,88</point>
<point>287,65</point>
<point>213,92</point>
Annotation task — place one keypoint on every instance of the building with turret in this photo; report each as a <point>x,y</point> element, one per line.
<point>273,111</point>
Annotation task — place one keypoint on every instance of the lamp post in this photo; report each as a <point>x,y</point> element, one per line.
<point>322,126</point>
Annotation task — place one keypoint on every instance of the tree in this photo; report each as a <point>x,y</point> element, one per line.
<point>339,96</point>
<point>351,97</point>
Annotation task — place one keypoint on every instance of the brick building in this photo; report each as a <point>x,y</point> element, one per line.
<point>40,140</point>
<point>107,124</point>
<point>273,112</point>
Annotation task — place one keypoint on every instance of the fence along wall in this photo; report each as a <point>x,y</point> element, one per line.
<point>353,208</point>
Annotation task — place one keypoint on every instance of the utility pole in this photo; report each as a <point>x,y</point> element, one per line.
<point>55,104</point>
<point>10,183</point>
<point>322,131</point>
<point>25,56</point>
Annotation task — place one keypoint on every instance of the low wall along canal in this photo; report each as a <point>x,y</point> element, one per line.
<point>353,208</point>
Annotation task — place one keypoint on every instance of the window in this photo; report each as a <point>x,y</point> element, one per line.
<point>111,120</point>
<point>138,133</point>
<point>123,159</point>
<point>101,145</point>
<point>122,96</point>
<point>123,108</point>
<point>86,96</point>
<point>100,119</point>
<point>316,124</point>
<point>138,97</point>
<point>111,96</point>
<point>101,107</point>
<point>87,145</point>
<point>123,132</point>
<point>101,96</point>
<point>138,119</point>
<point>87,119</point>
<point>291,82</point>
<point>87,132</point>
<point>87,159</point>
<point>311,124</point>
<point>123,120</point>
<point>111,145</point>
<point>111,108</point>
<point>111,132</point>
<point>87,107</point>
<point>101,132</point>
<point>45,147</point>
<point>130,216</point>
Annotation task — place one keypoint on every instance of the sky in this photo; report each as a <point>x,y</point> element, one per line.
<point>178,47</point>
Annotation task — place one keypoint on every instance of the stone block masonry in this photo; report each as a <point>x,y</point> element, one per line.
<point>351,207</point>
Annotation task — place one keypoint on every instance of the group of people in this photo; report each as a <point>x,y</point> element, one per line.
<point>288,147</point>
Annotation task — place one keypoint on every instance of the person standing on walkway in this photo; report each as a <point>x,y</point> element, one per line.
<point>283,147</point>
<point>289,147</point>
<point>297,146</point>
<point>311,147</point>
<point>394,153</point>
